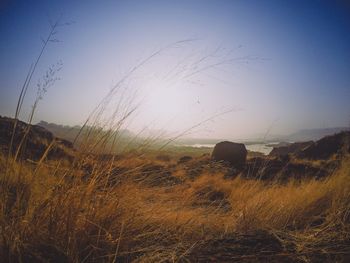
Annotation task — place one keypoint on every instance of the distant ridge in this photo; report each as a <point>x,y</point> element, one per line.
<point>314,134</point>
<point>70,132</point>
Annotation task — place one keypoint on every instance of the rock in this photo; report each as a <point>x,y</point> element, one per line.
<point>233,153</point>
<point>231,173</point>
<point>289,149</point>
<point>282,169</point>
<point>210,197</point>
<point>192,172</point>
<point>36,141</point>
<point>263,168</point>
<point>323,149</point>
<point>163,158</point>
<point>117,175</point>
<point>156,176</point>
<point>205,165</point>
<point>299,171</point>
<point>257,246</point>
<point>184,159</point>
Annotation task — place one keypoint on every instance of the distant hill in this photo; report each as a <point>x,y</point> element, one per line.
<point>62,131</point>
<point>313,134</point>
<point>70,132</point>
<point>124,140</point>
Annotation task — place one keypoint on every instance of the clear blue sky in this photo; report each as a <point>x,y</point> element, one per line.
<point>300,80</point>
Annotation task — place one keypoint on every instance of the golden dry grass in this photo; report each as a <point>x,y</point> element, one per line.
<point>86,212</point>
<point>51,214</point>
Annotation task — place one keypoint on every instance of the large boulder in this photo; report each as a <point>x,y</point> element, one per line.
<point>231,152</point>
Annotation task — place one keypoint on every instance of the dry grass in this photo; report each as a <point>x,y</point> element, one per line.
<point>51,214</point>
<point>96,210</point>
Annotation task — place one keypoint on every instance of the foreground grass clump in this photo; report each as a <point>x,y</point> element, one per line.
<point>103,211</point>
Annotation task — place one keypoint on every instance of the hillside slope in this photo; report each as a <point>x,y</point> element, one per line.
<point>33,141</point>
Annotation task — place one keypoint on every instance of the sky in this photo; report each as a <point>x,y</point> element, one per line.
<point>213,69</point>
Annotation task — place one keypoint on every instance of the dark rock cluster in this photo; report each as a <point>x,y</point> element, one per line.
<point>289,161</point>
<point>33,141</point>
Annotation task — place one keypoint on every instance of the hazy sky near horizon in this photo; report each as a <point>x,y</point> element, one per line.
<point>279,66</point>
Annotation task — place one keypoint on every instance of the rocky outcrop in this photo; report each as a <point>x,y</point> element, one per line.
<point>290,149</point>
<point>209,197</point>
<point>36,142</point>
<point>281,169</point>
<point>152,175</point>
<point>325,148</point>
<point>233,153</point>
<point>184,159</point>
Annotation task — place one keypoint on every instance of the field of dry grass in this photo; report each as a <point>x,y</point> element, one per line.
<point>151,209</point>
<point>76,201</point>
<point>90,198</point>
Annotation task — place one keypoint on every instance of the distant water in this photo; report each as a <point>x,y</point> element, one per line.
<point>262,148</point>
<point>259,147</point>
